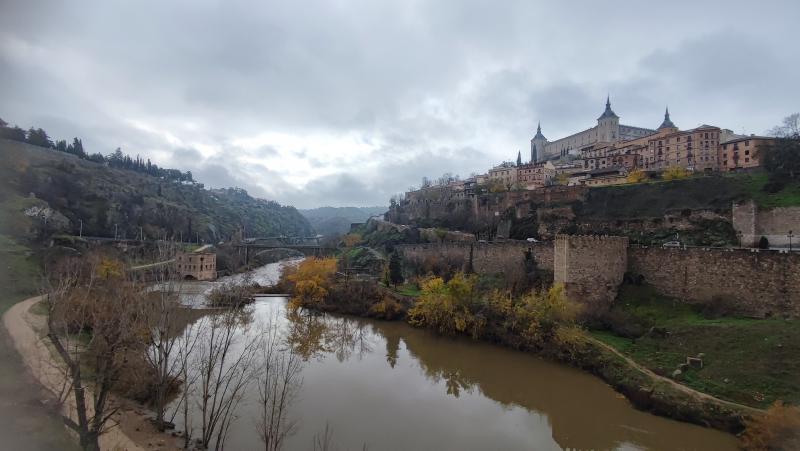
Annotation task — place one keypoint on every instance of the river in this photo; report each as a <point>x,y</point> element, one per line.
<point>389,386</point>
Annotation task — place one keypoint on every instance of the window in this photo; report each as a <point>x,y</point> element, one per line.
<point>747,142</point>
<point>746,160</point>
<point>747,152</point>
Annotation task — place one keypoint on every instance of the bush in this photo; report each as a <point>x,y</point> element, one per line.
<point>449,307</point>
<point>387,308</point>
<point>231,294</point>
<point>778,429</point>
<point>675,173</point>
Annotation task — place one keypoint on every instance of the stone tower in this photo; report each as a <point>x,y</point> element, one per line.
<point>608,124</point>
<point>537,144</point>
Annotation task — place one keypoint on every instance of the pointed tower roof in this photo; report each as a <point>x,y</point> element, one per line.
<point>608,113</point>
<point>667,122</point>
<point>539,134</point>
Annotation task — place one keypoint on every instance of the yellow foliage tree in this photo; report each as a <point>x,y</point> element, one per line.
<point>312,279</point>
<point>449,306</point>
<point>637,176</point>
<point>538,316</point>
<point>675,173</point>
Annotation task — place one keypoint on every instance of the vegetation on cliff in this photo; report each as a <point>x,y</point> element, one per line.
<point>44,192</point>
<point>337,220</point>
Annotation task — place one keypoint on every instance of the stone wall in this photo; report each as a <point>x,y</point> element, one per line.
<point>758,283</point>
<point>591,267</point>
<point>196,265</point>
<point>487,258</point>
<point>773,223</point>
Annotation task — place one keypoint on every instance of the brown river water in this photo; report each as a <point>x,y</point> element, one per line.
<point>389,386</point>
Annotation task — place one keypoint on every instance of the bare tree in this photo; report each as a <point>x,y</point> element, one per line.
<point>93,322</point>
<point>324,441</point>
<point>163,339</point>
<point>278,387</point>
<point>226,363</point>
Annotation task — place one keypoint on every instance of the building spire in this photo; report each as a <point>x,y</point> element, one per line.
<point>667,122</point>
<point>608,113</point>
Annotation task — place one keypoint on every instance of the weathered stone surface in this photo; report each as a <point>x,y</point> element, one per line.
<point>590,267</point>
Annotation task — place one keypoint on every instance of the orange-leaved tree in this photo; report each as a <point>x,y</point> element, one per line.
<point>312,281</point>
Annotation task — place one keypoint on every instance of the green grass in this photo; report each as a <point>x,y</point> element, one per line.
<point>750,361</point>
<point>754,184</point>
<point>408,289</point>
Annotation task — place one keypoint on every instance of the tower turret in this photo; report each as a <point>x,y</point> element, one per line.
<point>608,124</point>
<point>537,144</point>
<point>667,124</point>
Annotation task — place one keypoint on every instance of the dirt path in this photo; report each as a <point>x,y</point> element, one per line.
<point>22,326</point>
<point>678,386</point>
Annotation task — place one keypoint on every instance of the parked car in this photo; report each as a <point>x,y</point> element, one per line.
<point>672,244</point>
<point>532,240</point>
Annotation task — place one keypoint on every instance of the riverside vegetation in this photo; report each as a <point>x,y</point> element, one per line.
<point>545,321</point>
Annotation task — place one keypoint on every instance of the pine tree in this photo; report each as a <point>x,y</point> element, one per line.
<point>395,269</point>
<point>519,158</point>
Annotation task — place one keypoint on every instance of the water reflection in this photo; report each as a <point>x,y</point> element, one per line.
<point>580,411</point>
<point>390,386</point>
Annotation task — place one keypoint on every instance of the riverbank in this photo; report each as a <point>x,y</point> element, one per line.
<point>134,433</point>
<point>644,388</point>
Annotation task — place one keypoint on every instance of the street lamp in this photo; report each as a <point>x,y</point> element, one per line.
<point>790,235</point>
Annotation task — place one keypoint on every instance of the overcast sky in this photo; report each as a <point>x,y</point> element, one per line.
<point>342,102</point>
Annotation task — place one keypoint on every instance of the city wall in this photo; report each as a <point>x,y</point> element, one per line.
<point>487,258</point>
<point>749,282</point>
<point>757,283</point>
<point>773,223</point>
<point>590,267</point>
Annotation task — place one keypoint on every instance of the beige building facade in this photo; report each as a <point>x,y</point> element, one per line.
<point>196,265</point>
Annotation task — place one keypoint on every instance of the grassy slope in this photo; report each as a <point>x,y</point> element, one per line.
<point>103,197</point>
<point>759,358</point>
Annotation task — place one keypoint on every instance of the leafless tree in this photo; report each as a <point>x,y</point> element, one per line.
<point>163,339</point>
<point>225,360</point>
<point>278,386</point>
<point>93,321</point>
<point>324,441</point>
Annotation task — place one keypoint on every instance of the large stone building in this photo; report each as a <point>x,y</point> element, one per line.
<point>607,130</point>
<point>196,265</point>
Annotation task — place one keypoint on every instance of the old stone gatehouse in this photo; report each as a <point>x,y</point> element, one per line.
<point>196,265</point>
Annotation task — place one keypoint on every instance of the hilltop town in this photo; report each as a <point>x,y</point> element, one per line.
<point>609,152</point>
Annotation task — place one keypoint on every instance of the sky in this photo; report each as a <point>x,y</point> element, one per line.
<point>342,102</point>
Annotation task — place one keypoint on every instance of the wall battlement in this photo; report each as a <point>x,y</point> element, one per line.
<point>754,283</point>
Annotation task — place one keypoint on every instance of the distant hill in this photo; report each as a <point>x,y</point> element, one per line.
<point>43,191</point>
<point>337,220</point>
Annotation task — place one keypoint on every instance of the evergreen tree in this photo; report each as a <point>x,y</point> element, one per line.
<point>61,145</point>
<point>38,137</point>
<point>395,269</point>
<point>519,158</point>
<point>14,134</point>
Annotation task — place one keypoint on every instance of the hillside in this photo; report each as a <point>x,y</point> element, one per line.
<point>44,192</point>
<point>337,220</point>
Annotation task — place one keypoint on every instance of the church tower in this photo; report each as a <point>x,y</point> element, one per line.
<point>538,143</point>
<point>608,124</point>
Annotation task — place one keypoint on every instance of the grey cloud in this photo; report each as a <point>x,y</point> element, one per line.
<point>444,86</point>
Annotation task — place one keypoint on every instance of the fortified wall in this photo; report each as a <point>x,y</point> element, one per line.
<point>757,283</point>
<point>774,224</point>
<point>507,257</point>
<point>591,267</point>
<point>750,282</point>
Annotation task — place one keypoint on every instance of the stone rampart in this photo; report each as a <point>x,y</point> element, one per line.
<point>757,283</point>
<point>487,258</point>
<point>772,223</point>
<point>591,267</point>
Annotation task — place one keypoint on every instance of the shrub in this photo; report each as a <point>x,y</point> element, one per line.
<point>675,173</point>
<point>387,308</point>
<point>449,307</point>
<point>637,176</point>
<point>537,316</point>
<point>778,429</point>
